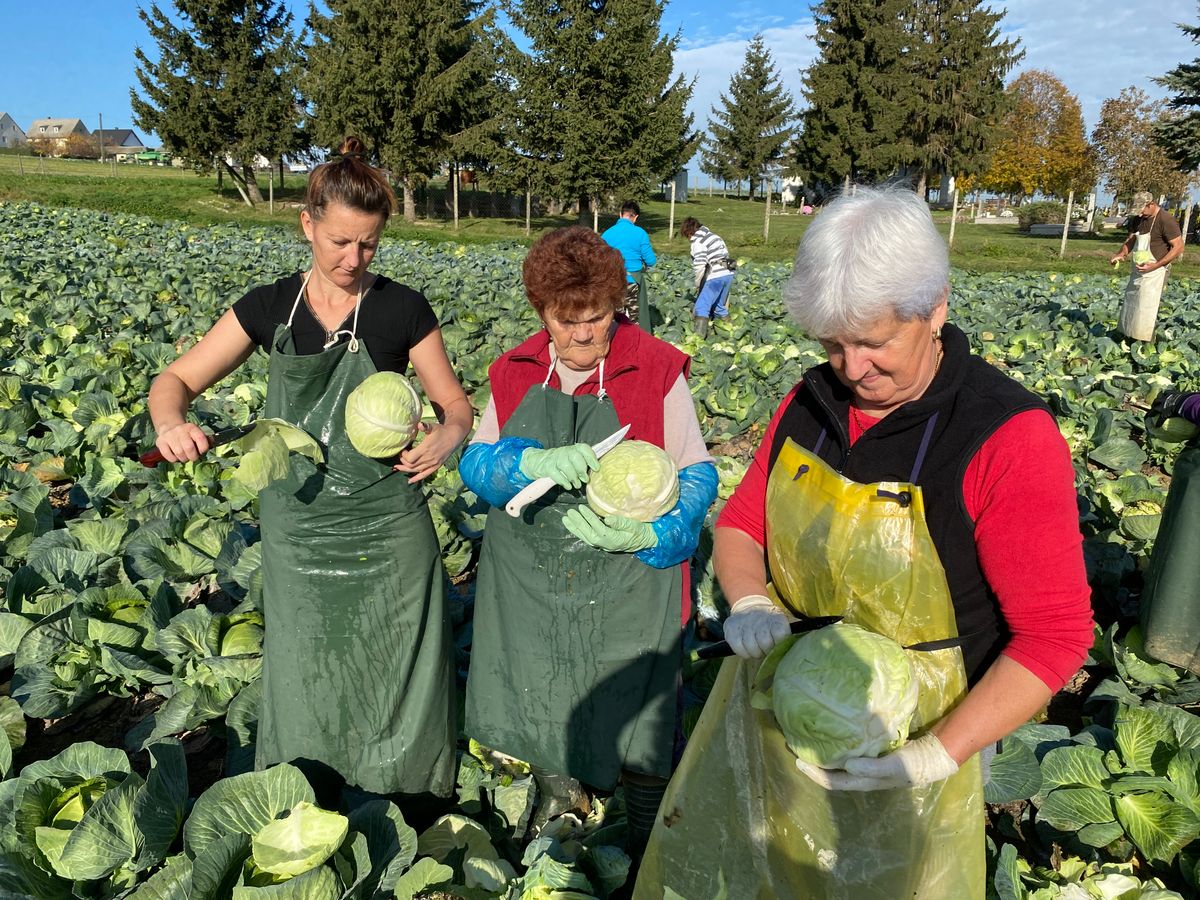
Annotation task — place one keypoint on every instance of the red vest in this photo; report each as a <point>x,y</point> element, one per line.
<point>639,371</point>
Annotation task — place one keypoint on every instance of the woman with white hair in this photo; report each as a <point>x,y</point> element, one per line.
<point>919,493</point>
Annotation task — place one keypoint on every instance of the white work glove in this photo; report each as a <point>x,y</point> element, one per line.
<point>917,763</point>
<point>755,626</point>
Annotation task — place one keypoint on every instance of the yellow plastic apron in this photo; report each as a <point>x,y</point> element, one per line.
<point>739,820</point>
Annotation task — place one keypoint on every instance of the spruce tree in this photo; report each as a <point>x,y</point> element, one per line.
<point>599,113</point>
<point>856,90</point>
<point>714,163</point>
<point>410,78</point>
<point>956,66</point>
<point>223,89</point>
<point>1179,135</point>
<point>754,121</point>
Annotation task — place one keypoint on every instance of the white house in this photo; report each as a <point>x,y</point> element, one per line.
<point>11,134</point>
<point>56,130</point>
<point>793,190</point>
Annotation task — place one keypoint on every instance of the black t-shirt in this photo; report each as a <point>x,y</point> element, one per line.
<point>392,319</point>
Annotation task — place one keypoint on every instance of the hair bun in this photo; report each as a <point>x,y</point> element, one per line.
<point>352,147</point>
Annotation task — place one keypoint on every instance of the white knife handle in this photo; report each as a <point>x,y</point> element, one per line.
<point>527,495</point>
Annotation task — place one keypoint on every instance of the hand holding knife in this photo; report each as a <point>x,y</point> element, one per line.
<point>539,487</point>
<point>152,458</point>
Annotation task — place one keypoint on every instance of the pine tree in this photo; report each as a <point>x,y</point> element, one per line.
<point>599,112</point>
<point>714,163</point>
<point>223,90</point>
<point>1179,136</point>
<point>410,78</point>
<point>754,121</point>
<point>957,65</point>
<point>856,91</point>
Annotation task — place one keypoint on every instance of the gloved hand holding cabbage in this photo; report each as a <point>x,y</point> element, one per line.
<point>616,534</point>
<point>635,484</point>
<point>844,698</point>
<point>648,508</point>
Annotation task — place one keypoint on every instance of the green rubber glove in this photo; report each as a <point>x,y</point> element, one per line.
<point>567,467</point>
<point>616,534</point>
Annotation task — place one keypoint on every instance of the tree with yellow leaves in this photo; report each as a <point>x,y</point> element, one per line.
<point>1044,148</point>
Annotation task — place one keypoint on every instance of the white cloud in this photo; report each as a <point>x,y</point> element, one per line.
<point>1098,48</point>
<point>1095,48</point>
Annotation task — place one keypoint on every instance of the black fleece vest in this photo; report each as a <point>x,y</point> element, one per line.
<point>971,399</point>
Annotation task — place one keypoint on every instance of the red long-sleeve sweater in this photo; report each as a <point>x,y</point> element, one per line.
<point>1019,491</point>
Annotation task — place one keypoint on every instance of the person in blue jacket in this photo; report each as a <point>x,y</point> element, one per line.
<point>633,242</point>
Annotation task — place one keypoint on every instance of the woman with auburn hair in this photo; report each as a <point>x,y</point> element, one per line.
<point>576,653</point>
<point>357,677</point>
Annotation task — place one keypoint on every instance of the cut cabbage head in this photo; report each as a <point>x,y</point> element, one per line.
<point>637,480</point>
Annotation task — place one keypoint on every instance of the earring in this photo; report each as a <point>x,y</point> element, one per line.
<point>937,335</point>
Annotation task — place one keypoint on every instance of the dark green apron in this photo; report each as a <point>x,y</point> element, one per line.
<point>576,651</point>
<point>357,670</point>
<point>639,278</point>
<point>1170,625</point>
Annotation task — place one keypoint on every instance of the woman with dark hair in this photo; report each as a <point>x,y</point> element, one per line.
<point>712,270</point>
<point>357,680</point>
<point>576,651</point>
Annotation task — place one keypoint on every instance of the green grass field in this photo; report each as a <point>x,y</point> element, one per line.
<point>167,193</point>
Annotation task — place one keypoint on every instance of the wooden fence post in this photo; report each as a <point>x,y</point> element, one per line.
<point>1062,248</point>
<point>953,220</point>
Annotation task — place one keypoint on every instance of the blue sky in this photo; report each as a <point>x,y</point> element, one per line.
<point>1095,48</point>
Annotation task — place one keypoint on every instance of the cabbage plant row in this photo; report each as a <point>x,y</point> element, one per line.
<point>120,581</point>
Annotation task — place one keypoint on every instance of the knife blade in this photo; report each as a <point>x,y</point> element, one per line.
<point>540,486</point>
<point>152,458</point>
<point>800,626</point>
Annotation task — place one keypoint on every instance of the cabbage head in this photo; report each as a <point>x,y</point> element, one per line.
<point>382,415</point>
<point>1174,430</point>
<point>842,692</point>
<point>636,480</point>
<point>1140,257</point>
<point>301,841</point>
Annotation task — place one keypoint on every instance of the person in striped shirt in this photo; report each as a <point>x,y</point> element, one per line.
<point>713,270</point>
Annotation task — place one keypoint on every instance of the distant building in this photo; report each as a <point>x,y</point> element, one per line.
<point>119,142</point>
<point>680,180</point>
<point>56,131</point>
<point>793,190</point>
<point>11,134</point>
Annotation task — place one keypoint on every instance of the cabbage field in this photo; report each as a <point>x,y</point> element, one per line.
<point>130,636</point>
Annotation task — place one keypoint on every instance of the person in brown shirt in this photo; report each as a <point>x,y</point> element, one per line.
<point>1154,241</point>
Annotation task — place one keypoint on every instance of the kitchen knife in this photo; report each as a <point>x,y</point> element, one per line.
<point>541,486</point>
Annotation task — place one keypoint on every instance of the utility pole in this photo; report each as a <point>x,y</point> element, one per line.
<point>101,137</point>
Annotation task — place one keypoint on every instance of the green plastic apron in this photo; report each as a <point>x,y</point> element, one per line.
<point>357,674</point>
<point>1168,607</point>
<point>639,278</point>
<point>739,820</point>
<point>576,652</point>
